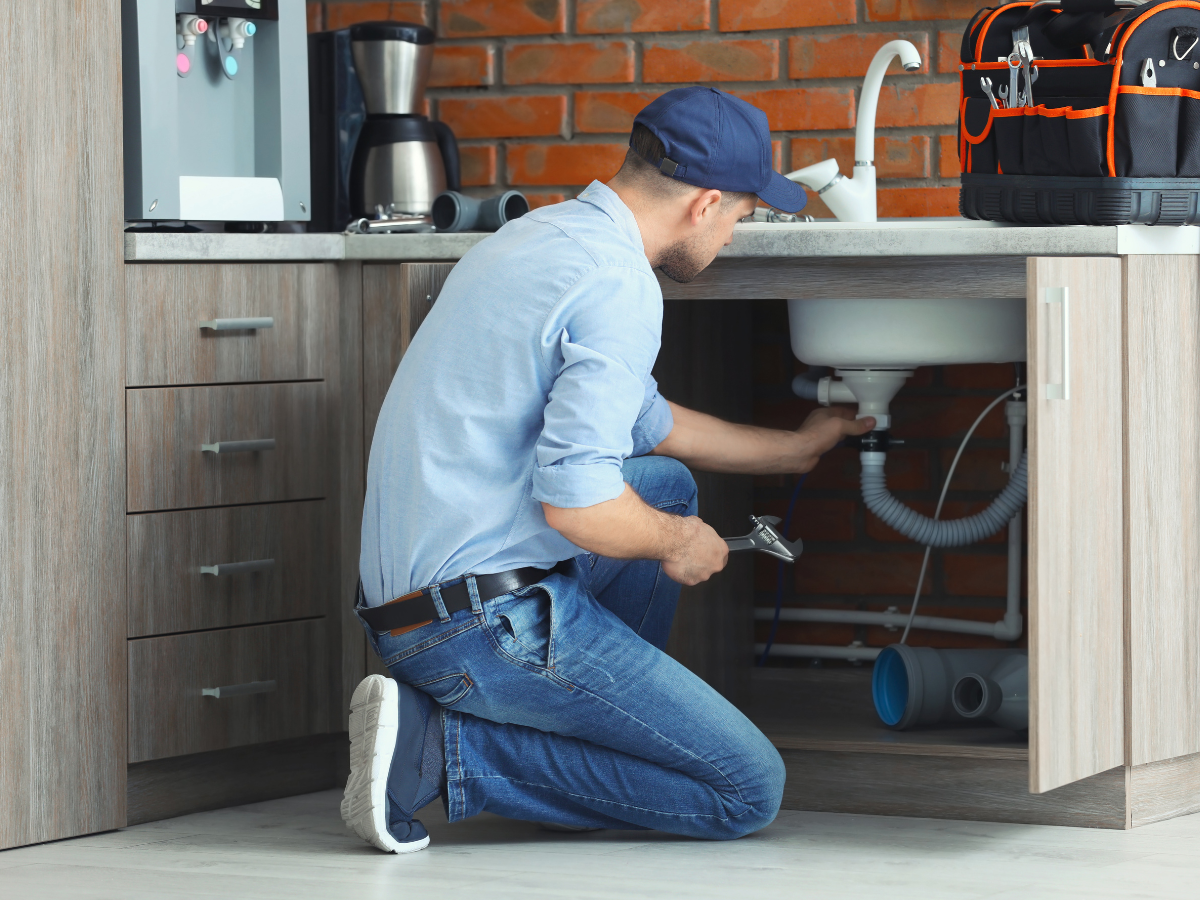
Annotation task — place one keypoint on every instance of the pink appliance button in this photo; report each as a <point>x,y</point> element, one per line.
<point>182,63</point>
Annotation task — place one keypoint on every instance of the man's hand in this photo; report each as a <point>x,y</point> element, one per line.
<point>701,554</point>
<point>626,528</point>
<point>823,430</point>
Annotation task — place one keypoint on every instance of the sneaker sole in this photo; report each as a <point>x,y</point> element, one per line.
<point>374,724</point>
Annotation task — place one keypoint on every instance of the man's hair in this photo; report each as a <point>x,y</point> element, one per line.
<point>644,146</point>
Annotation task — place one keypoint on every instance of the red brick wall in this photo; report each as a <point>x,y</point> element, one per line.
<point>543,92</point>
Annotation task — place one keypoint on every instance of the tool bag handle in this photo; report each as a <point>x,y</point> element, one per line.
<point>1073,23</point>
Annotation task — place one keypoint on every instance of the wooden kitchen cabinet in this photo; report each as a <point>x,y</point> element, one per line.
<point>233,557</point>
<point>1114,544</point>
<point>62,355</point>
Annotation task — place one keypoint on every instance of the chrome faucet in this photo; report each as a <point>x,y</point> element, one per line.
<point>853,199</point>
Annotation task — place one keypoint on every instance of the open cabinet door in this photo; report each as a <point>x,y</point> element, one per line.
<point>1076,544</point>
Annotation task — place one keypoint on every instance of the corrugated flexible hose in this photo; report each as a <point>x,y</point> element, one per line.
<point>943,533</point>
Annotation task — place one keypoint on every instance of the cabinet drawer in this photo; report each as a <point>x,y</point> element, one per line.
<point>271,563</point>
<point>169,714</point>
<point>165,305</point>
<point>166,427</point>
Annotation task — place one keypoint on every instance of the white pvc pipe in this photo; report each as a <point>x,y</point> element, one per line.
<point>856,617</point>
<point>816,651</point>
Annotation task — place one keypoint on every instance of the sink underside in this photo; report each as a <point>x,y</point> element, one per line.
<point>904,334</point>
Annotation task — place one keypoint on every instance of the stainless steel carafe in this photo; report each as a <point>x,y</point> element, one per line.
<point>402,160</point>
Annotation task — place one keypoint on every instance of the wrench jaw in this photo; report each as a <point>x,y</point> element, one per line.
<point>766,538</point>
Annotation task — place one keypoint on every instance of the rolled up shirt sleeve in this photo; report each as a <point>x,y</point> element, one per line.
<point>654,422</point>
<point>600,342</point>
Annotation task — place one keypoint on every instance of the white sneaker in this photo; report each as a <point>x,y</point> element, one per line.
<point>374,725</point>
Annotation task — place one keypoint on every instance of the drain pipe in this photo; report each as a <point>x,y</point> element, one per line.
<point>856,652</point>
<point>816,385</point>
<point>895,620</point>
<point>1013,623</point>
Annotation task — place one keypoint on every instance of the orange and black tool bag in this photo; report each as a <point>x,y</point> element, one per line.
<point>1107,132</point>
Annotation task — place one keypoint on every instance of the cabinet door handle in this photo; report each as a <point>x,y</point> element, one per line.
<point>238,446</point>
<point>252,323</point>
<point>239,690</point>
<point>238,568</point>
<point>1062,389</point>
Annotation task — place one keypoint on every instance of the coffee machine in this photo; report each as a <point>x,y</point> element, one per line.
<point>216,110</point>
<point>374,152</point>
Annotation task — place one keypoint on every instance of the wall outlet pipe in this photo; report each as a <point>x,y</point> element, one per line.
<point>886,619</point>
<point>914,686</point>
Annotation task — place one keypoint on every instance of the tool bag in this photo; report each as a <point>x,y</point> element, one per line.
<point>1096,121</point>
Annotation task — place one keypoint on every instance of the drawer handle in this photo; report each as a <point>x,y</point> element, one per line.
<point>240,690</point>
<point>250,324</point>
<point>238,446</point>
<point>238,568</point>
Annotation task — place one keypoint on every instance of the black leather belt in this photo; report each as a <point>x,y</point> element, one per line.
<point>417,609</point>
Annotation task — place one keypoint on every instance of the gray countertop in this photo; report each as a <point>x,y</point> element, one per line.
<point>826,238</point>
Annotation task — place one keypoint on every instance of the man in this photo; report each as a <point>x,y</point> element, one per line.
<point>530,517</point>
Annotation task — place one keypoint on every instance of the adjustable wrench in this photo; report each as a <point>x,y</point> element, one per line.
<point>768,539</point>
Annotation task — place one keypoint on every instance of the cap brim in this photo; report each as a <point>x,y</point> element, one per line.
<point>784,195</point>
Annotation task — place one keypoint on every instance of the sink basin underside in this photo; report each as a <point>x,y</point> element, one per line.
<point>904,334</point>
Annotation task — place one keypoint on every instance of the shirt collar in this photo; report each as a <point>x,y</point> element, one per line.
<point>605,198</point>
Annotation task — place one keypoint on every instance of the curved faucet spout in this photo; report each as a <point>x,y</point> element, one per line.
<point>864,134</point>
<point>853,199</point>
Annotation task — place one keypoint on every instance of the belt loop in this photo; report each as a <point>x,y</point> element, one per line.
<point>436,593</point>
<point>473,591</point>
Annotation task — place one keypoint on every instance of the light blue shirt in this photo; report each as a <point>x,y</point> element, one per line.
<point>529,381</point>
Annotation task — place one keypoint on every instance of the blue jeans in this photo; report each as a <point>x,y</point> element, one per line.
<point>561,706</point>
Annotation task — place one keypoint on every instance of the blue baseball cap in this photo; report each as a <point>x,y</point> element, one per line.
<point>714,140</point>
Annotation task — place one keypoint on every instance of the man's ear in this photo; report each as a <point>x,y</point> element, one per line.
<point>705,205</point>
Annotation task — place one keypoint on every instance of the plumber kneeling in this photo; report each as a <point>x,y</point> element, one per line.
<point>530,517</point>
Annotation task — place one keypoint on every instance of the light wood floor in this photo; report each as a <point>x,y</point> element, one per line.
<point>296,848</point>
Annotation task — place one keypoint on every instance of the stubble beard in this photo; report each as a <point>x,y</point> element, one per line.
<point>683,260</point>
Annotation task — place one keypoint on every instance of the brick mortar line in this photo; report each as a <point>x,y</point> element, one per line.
<point>779,83</point>
<point>929,26</point>
<point>708,37</point>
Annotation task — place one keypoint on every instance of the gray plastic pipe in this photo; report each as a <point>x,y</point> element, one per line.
<point>453,212</point>
<point>1001,694</point>
<point>937,532</point>
<point>914,686</point>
